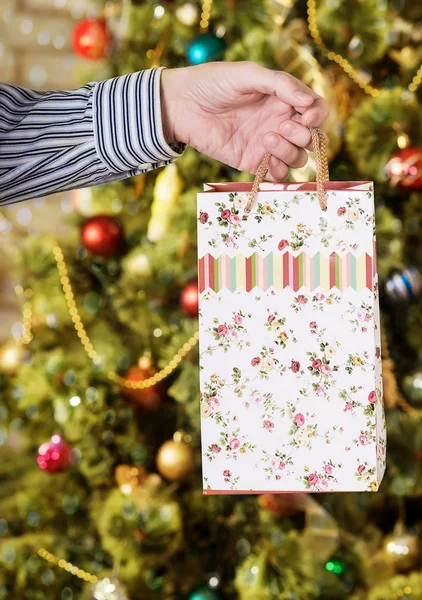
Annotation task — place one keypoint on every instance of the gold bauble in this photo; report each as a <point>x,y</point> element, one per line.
<point>402,548</point>
<point>128,477</point>
<point>10,357</point>
<point>175,460</point>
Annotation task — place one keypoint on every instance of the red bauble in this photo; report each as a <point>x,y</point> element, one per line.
<point>148,399</point>
<point>55,455</point>
<point>404,169</point>
<point>189,299</point>
<point>102,236</point>
<point>91,39</point>
<point>285,505</point>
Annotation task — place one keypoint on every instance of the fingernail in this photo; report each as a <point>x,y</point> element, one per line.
<point>272,140</point>
<point>302,96</point>
<point>313,120</point>
<point>287,128</point>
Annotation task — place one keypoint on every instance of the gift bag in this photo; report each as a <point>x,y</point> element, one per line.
<point>290,359</point>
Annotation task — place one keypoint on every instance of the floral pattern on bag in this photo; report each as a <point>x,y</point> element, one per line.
<point>322,480</point>
<point>276,465</point>
<point>229,333</point>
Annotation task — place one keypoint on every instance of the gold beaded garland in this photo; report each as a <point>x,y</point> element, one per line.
<point>67,566</point>
<point>205,15</point>
<point>343,62</point>
<point>88,347</point>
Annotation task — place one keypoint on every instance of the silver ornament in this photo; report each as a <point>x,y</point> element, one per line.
<point>109,589</point>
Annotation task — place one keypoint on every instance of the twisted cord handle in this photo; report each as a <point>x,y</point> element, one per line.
<point>322,173</point>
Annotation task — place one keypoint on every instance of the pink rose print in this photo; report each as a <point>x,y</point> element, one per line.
<point>278,464</point>
<point>255,361</point>
<point>299,419</point>
<point>324,369</point>
<point>364,329</point>
<point>367,317</point>
<point>320,297</point>
<point>233,335</point>
<point>360,315</point>
<point>319,390</point>
<point>229,241</point>
<point>257,398</point>
<point>295,366</point>
<point>203,217</point>
<point>214,402</point>
<point>361,468</point>
<point>226,475</point>
<point>268,425</point>
<point>377,352</point>
<point>372,397</point>
<point>302,299</point>
<point>271,318</point>
<point>316,364</point>
<point>222,330</point>
<point>363,439</point>
<point>341,211</point>
<point>234,444</point>
<point>312,324</point>
<point>225,215</point>
<point>323,484</point>
<point>313,479</point>
<point>216,449</point>
<point>283,244</point>
<point>328,469</point>
<point>348,406</point>
<point>238,319</point>
<point>234,219</point>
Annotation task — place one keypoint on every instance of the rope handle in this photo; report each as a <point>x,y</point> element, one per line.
<point>322,173</point>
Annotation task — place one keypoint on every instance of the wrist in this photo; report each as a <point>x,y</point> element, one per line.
<point>170,105</point>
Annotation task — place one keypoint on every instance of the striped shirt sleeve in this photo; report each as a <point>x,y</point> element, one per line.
<point>57,141</point>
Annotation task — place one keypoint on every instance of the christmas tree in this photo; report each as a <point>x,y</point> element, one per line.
<point>101,494</point>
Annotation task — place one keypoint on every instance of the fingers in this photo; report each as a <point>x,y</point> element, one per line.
<point>285,151</point>
<point>277,170</point>
<point>298,134</point>
<point>314,108</point>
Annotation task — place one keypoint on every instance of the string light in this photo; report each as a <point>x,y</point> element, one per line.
<point>205,15</point>
<point>343,62</point>
<point>67,566</point>
<point>88,347</point>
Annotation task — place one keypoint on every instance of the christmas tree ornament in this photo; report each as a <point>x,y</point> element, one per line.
<point>404,169</point>
<point>279,504</point>
<point>91,39</point>
<point>412,387</point>
<point>187,14</point>
<point>168,186</point>
<point>11,355</point>
<point>204,592</point>
<point>402,548</point>
<point>55,455</point>
<point>128,477</point>
<point>336,566</point>
<point>103,236</point>
<point>109,589</point>
<point>175,460</point>
<point>189,299</point>
<point>206,47</point>
<point>404,286</point>
<point>148,399</point>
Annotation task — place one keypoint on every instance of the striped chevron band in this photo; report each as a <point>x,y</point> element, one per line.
<point>285,270</point>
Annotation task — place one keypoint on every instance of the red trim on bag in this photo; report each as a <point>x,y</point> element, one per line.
<point>369,274</point>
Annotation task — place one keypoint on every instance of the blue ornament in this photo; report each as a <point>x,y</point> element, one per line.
<point>404,286</point>
<point>204,592</point>
<point>206,47</point>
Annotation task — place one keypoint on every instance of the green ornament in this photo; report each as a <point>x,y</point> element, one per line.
<point>336,566</point>
<point>204,592</point>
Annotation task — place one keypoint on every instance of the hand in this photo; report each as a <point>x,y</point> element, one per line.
<point>235,112</point>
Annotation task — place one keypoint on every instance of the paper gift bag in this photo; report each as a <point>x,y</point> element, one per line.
<point>290,367</point>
